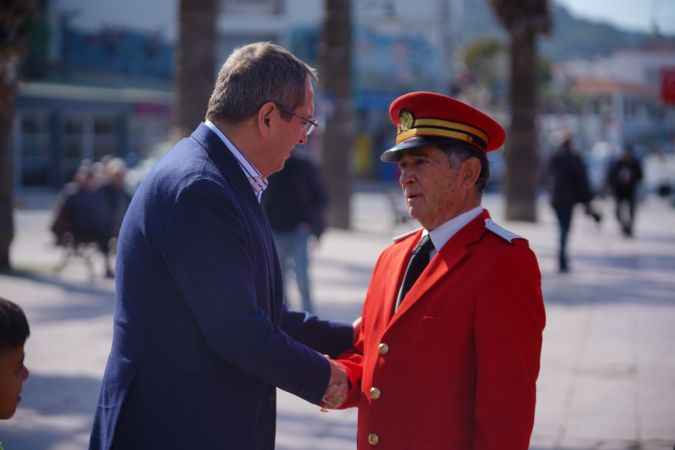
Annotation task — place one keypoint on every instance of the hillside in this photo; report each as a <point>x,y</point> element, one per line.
<point>572,36</point>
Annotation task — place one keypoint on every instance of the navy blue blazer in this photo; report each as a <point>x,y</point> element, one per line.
<point>201,337</point>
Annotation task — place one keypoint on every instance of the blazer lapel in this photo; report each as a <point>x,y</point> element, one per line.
<point>229,168</point>
<point>226,162</point>
<point>399,262</point>
<point>450,256</point>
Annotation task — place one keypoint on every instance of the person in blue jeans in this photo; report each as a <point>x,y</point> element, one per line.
<point>623,178</point>
<point>295,201</point>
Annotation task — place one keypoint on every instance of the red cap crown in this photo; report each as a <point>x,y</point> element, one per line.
<point>422,118</point>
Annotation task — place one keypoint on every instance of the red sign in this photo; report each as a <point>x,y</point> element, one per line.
<point>668,85</point>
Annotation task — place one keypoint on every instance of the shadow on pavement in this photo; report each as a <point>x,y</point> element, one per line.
<point>35,438</point>
<point>56,281</point>
<point>331,432</point>
<point>58,400</point>
<point>82,301</point>
<point>565,290</point>
<point>630,262</point>
<point>60,394</point>
<point>665,238</point>
<point>629,275</point>
<point>79,308</point>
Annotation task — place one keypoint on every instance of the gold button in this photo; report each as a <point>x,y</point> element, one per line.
<point>383,348</point>
<point>373,439</point>
<point>375,393</point>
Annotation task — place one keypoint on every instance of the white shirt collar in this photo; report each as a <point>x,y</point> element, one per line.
<point>442,233</point>
<point>256,180</point>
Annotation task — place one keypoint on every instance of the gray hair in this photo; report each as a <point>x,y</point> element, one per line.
<point>254,75</point>
<point>458,152</point>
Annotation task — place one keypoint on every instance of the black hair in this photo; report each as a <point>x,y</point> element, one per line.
<point>14,328</point>
<point>464,151</point>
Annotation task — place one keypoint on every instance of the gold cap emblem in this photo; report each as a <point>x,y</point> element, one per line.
<point>405,120</point>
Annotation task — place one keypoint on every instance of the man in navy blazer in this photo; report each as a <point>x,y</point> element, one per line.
<point>202,338</point>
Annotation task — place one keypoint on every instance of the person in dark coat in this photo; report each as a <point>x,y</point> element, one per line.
<point>570,186</point>
<point>115,193</point>
<point>623,178</point>
<point>201,337</point>
<point>294,202</point>
<point>82,215</point>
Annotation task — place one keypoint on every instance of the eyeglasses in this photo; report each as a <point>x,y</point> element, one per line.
<point>309,124</point>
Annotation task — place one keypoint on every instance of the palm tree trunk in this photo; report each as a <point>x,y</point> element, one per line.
<point>8,87</point>
<point>335,63</point>
<point>195,62</point>
<point>521,155</point>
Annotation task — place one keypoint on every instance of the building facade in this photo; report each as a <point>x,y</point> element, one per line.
<point>101,80</point>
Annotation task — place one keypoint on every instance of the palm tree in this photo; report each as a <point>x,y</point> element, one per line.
<point>15,23</point>
<point>523,19</point>
<point>335,64</point>
<point>195,62</point>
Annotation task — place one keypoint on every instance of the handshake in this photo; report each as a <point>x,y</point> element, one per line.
<point>338,387</point>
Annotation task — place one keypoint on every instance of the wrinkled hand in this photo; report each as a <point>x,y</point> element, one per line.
<point>338,386</point>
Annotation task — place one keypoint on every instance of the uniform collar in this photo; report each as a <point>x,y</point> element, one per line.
<point>442,234</point>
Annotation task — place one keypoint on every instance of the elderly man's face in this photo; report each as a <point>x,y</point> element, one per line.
<point>434,191</point>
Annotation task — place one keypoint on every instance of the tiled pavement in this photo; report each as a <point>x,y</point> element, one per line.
<point>608,363</point>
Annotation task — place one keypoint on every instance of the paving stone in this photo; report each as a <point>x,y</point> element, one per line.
<point>608,373</point>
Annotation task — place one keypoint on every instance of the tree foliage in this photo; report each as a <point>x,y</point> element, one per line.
<point>481,50</point>
<point>483,59</point>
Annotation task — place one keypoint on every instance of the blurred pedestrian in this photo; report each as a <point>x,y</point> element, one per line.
<point>566,172</point>
<point>295,201</point>
<point>62,222</point>
<point>202,338</point>
<point>447,354</point>
<point>623,178</point>
<point>14,332</point>
<point>82,215</point>
<point>115,193</point>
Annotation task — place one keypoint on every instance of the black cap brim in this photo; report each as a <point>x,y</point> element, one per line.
<point>396,152</point>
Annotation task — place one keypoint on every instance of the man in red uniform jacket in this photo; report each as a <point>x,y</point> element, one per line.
<point>447,355</point>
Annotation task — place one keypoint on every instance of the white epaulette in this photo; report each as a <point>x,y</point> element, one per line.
<point>400,237</point>
<point>500,231</point>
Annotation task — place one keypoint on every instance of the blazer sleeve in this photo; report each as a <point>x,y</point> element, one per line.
<point>205,246</point>
<point>509,321</point>
<point>330,338</point>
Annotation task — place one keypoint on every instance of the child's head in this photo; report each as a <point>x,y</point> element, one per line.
<point>13,334</point>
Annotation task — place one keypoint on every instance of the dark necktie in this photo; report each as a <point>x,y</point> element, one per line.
<point>418,261</point>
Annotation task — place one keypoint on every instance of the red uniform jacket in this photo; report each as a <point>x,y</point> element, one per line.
<point>455,367</point>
